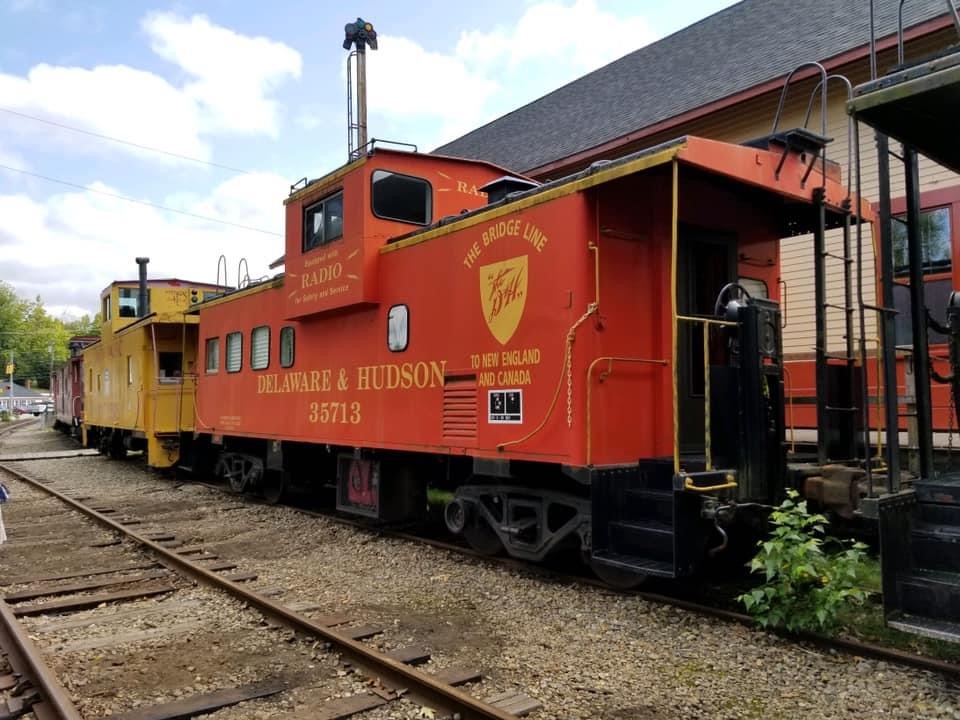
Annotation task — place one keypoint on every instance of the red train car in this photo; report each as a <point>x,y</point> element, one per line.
<point>574,362</point>
<point>66,387</point>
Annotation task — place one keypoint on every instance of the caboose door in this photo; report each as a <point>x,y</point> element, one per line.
<point>707,260</point>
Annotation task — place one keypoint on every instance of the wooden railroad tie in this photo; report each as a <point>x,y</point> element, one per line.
<point>45,590</point>
<point>203,703</point>
<point>89,601</point>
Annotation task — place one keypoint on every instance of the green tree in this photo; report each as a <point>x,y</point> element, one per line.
<point>84,325</point>
<point>32,338</point>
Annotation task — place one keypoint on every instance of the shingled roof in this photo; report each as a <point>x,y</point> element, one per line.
<point>748,44</point>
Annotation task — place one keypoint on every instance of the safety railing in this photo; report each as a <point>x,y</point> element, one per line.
<point>707,323</point>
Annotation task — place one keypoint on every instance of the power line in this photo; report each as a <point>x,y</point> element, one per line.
<point>121,141</point>
<point>140,202</point>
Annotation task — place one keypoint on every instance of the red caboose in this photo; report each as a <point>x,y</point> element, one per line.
<point>66,387</point>
<point>593,362</point>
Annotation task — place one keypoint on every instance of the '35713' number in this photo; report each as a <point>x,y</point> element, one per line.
<point>335,412</point>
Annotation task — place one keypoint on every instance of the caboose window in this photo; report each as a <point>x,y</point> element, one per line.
<point>402,197</point>
<point>234,351</point>
<point>213,354</point>
<point>129,302</point>
<point>323,222</point>
<point>756,287</point>
<point>260,347</point>
<point>170,367</point>
<point>286,346</point>
<point>398,328</point>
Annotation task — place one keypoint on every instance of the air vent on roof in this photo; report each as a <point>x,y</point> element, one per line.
<point>498,189</point>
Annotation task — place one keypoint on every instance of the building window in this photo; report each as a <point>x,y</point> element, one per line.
<point>398,328</point>
<point>260,347</point>
<point>934,241</point>
<point>323,222</point>
<point>286,346</point>
<point>402,197</point>
<point>129,370</point>
<point>212,354</point>
<point>234,351</point>
<point>107,313</point>
<point>91,379</point>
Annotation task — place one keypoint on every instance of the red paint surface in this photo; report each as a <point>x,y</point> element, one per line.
<point>491,307</point>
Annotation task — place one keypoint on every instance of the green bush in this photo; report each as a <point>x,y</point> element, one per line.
<point>4,415</point>
<point>804,587</point>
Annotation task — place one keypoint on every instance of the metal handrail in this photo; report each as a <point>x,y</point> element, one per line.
<point>823,96</point>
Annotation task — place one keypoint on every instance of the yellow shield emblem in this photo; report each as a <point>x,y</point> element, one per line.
<point>503,294</point>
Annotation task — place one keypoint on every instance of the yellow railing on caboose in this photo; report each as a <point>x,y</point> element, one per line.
<point>707,323</point>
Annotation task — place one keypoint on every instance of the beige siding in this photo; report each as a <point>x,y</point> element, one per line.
<point>754,118</point>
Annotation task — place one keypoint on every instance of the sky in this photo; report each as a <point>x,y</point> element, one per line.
<point>215,108</point>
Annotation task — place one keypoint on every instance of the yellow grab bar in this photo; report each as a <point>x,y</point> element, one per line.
<point>730,483</point>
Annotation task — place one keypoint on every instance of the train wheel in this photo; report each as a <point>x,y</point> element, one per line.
<point>618,578</point>
<point>272,486</point>
<point>481,537</point>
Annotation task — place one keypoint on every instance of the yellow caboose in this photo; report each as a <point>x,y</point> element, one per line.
<point>140,377</point>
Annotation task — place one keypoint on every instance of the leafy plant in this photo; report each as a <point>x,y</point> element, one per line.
<point>804,587</point>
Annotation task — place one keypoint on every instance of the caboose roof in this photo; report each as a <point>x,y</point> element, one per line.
<point>736,162</point>
<point>161,282</point>
<point>426,158</point>
<point>737,53</point>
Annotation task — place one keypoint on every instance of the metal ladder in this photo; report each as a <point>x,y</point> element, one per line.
<point>836,416</point>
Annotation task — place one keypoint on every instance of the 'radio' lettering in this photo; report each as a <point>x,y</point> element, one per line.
<point>321,275</point>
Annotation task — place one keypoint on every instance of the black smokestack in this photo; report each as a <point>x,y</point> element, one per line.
<point>142,296</point>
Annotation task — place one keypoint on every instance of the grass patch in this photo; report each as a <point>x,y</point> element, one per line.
<point>866,623</point>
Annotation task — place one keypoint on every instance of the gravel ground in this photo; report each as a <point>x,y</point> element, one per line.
<point>582,651</point>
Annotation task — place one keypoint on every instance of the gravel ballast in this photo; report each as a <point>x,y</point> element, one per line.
<point>584,652</point>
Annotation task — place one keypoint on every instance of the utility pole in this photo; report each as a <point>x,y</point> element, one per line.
<point>10,372</point>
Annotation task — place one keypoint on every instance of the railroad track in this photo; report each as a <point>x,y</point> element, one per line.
<point>846,645</point>
<point>389,675</point>
<point>841,645</point>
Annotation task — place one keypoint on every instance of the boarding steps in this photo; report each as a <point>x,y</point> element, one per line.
<point>928,593</point>
<point>641,522</point>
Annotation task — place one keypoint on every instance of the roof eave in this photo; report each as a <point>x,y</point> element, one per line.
<point>611,146</point>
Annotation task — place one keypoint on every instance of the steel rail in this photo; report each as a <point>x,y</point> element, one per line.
<point>25,658</point>
<point>16,425</point>
<point>394,674</point>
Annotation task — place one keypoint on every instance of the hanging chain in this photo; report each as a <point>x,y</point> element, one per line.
<point>571,337</point>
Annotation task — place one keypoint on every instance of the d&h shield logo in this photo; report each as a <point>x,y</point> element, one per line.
<point>503,294</point>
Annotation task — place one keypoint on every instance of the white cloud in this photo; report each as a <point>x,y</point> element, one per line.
<point>70,246</point>
<point>113,100</point>
<point>229,81</point>
<point>413,82</point>
<point>580,36</point>
<point>488,72</point>
<point>233,73</point>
